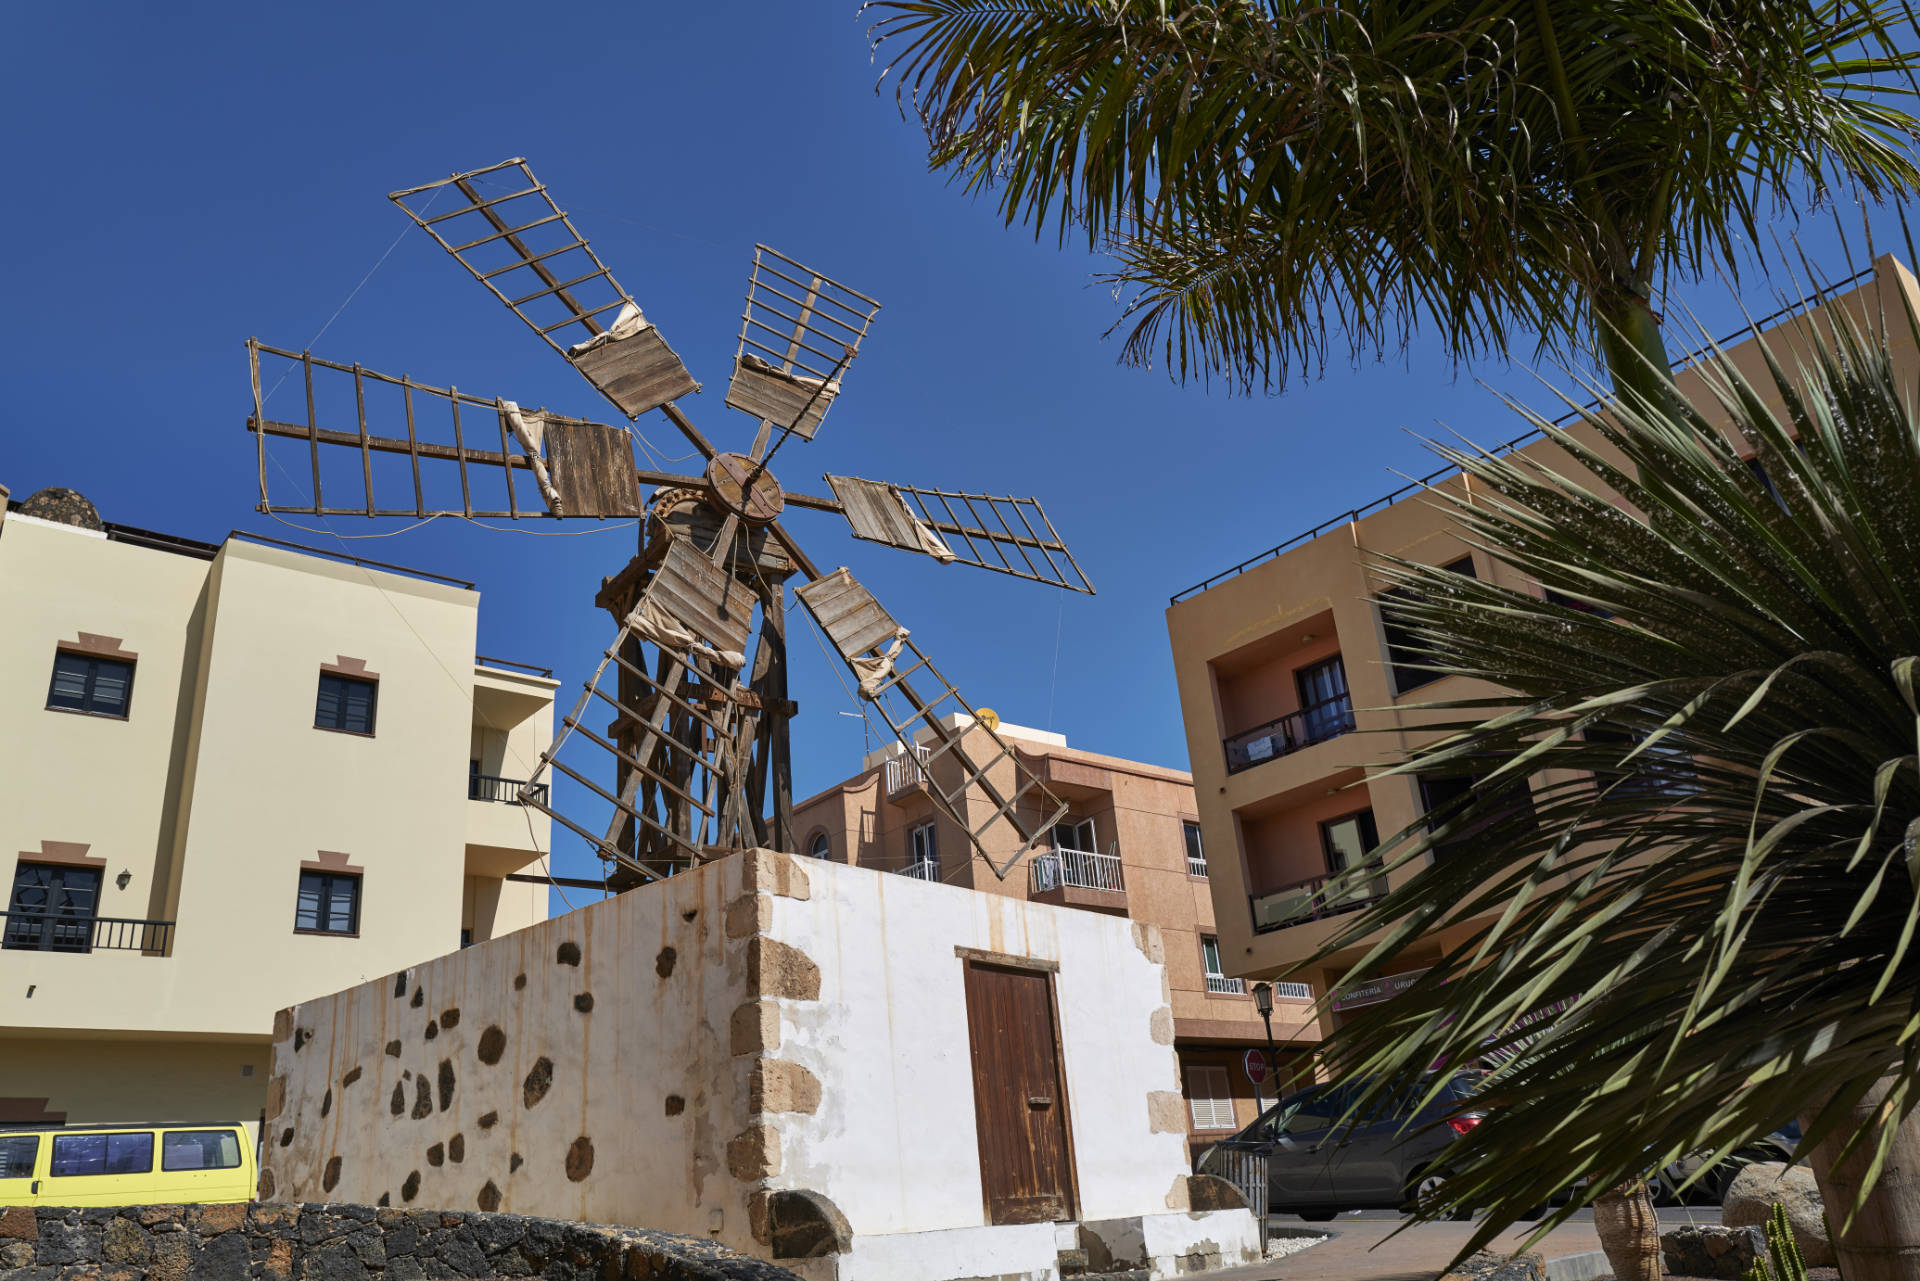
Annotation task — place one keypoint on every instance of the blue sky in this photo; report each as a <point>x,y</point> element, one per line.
<point>190,175</point>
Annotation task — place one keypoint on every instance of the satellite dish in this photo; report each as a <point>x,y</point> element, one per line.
<point>988,717</point>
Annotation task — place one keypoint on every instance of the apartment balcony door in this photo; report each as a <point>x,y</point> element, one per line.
<point>52,907</point>
<point>1326,707</point>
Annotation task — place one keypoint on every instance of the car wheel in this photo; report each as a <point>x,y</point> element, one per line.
<point>1424,1185</point>
<point>1316,1216</point>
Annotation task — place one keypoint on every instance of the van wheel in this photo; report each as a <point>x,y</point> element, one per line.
<point>1423,1186</point>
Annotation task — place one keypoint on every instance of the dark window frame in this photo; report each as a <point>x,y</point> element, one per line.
<point>60,927</point>
<point>11,1146</point>
<point>373,704</point>
<point>324,910</point>
<point>1463,788</point>
<point>1193,840</point>
<point>1407,671</point>
<point>108,1154</point>
<point>1369,829</point>
<point>95,662</point>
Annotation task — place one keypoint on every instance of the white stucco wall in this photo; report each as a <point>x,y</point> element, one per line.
<point>894,1141</point>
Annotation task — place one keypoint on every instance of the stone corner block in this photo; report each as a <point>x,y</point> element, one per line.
<point>754,1153</point>
<point>1146,937</point>
<point>749,914</point>
<point>778,1085</point>
<point>1160,1026</point>
<point>1166,1112</point>
<point>780,969</point>
<point>755,1028</point>
<point>771,872</point>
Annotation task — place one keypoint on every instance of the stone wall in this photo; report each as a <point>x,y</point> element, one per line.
<point>344,1243</point>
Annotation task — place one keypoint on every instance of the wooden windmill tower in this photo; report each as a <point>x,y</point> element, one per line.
<point>696,693</point>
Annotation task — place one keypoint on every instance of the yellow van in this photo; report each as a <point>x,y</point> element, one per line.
<point>126,1165</point>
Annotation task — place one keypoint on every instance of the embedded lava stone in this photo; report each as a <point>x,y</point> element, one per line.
<point>580,1159</point>
<point>433,1029</point>
<point>450,1017</point>
<point>286,1137</point>
<point>663,963</point>
<point>493,1043</point>
<point>326,1101</point>
<point>519,981</point>
<point>675,1105</point>
<point>400,984</point>
<point>266,1185</point>
<point>399,1101</point>
<point>419,997</point>
<point>457,1148</point>
<point>584,1002</point>
<point>689,914</point>
<point>568,953</point>
<point>299,1039</point>
<point>331,1177</point>
<point>393,1049</point>
<point>489,1198</point>
<point>446,1084</point>
<point>538,1081</point>
<point>488,1121</point>
<point>386,1199</point>
<point>411,1188</point>
<point>423,1098</point>
<point>436,1156</point>
<point>349,1078</point>
<point>515,1162</point>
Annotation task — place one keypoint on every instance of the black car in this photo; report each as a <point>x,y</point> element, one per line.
<point>1317,1166</point>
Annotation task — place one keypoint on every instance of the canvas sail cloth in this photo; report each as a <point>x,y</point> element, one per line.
<point>529,429</point>
<point>879,514</point>
<point>650,622</point>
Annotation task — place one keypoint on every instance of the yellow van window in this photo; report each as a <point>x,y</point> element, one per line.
<point>75,1154</point>
<point>16,1155</point>
<point>199,1150</point>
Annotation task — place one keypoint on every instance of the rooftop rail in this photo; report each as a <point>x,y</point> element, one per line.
<point>1427,482</point>
<point>535,668</point>
<point>362,561</point>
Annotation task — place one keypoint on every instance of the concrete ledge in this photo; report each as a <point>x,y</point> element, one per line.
<point>1584,1266</point>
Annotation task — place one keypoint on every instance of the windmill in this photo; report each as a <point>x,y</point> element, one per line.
<point>700,726</point>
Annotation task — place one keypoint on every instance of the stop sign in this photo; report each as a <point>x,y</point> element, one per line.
<point>1254,1064</point>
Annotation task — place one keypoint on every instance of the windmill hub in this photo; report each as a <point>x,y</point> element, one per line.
<point>745,488</point>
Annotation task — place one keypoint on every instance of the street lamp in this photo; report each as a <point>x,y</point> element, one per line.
<point>1263,1002</point>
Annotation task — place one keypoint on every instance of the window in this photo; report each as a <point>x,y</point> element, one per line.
<point>17,1153</point>
<point>921,849</point>
<point>1210,1098</point>
<point>52,907</point>
<point>1217,980</point>
<point>1659,768</point>
<point>822,847</point>
<point>346,704</point>
<point>466,936</point>
<point>329,904</point>
<point>96,686</point>
<point>1326,709</point>
<point>200,1150</point>
<point>1347,841</point>
<point>1075,834</point>
<point>1196,856</point>
<point>1509,808</point>
<point>79,1154</point>
<point>1406,655</point>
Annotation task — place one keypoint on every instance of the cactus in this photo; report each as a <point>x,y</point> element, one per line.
<point>1783,1262</point>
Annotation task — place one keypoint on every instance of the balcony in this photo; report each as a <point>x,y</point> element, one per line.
<point>1196,867</point>
<point>68,932</point>
<point>921,870</point>
<point>907,770</point>
<point>1309,900</point>
<point>1221,984</point>
<point>490,787</point>
<point>1290,733</point>
<point>1078,878</point>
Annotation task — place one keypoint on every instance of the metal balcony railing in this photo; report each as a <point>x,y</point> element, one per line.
<point>1290,733</point>
<point>1196,866</point>
<point>1085,869</point>
<point>491,787</point>
<point>922,870</point>
<point>1309,900</point>
<point>67,932</point>
<point>1231,987</point>
<point>907,770</point>
<point>1290,991</point>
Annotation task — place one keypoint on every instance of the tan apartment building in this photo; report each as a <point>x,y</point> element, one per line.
<point>1292,685</point>
<point>237,776</point>
<point>1132,846</point>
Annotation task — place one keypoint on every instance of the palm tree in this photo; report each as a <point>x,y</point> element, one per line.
<point>1719,887</point>
<point>1273,174</point>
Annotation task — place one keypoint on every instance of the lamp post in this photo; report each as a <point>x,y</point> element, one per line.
<point>1263,1002</point>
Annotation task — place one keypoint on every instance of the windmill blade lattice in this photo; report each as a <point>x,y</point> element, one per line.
<point>698,695</point>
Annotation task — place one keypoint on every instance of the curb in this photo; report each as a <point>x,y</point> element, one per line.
<point>1584,1266</point>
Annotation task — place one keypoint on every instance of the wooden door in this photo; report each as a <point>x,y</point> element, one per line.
<point>1020,1105</point>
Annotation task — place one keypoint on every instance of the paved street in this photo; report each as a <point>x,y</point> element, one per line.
<point>1363,1251</point>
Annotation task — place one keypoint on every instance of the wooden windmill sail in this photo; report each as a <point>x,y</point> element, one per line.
<point>695,687</point>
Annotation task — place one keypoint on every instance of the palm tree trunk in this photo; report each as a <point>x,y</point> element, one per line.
<point>1629,1230</point>
<point>1631,346</point>
<point>1883,1241</point>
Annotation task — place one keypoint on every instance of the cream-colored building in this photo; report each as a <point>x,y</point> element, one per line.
<point>1291,686</point>
<point>236,776</point>
<point>1130,846</point>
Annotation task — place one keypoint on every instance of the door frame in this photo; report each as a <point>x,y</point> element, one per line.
<point>974,956</point>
